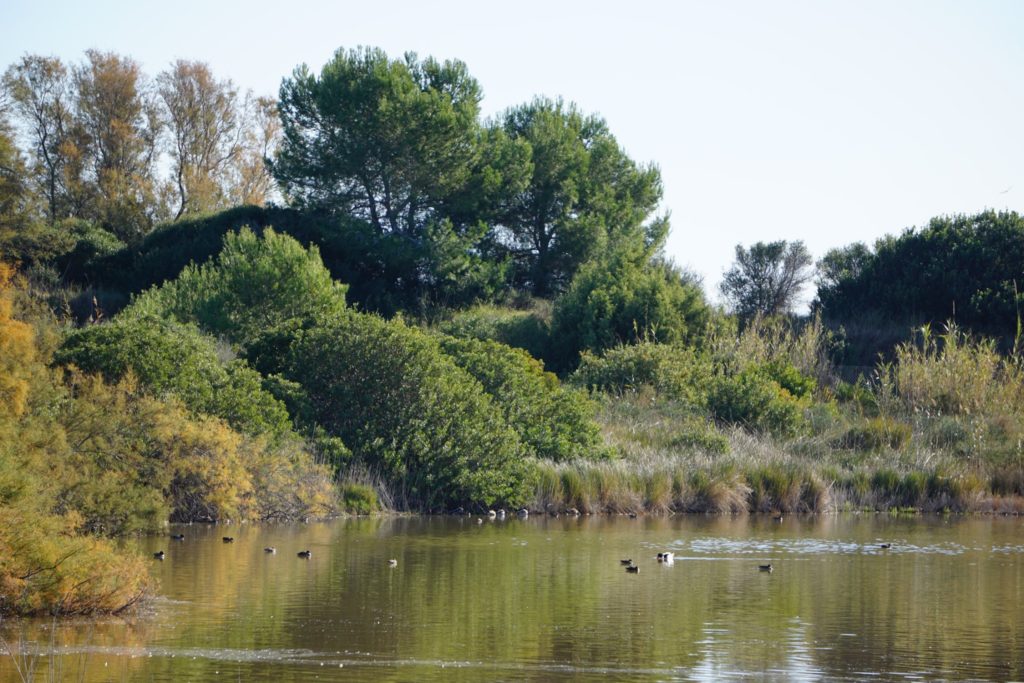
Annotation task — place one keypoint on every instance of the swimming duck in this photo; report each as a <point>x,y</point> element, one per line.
<point>666,557</point>
<point>633,569</point>
<point>228,539</point>
<point>573,511</point>
<point>159,555</point>
<point>523,513</point>
<point>177,537</point>
<point>886,546</point>
<point>778,517</point>
<point>765,567</point>
<point>492,514</point>
<point>626,562</point>
<point>501,513</point>
<point>392,563</point>
<point>270,550</point>
<point>305,554</point>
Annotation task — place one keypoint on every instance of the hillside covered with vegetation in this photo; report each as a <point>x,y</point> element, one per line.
<point>362,296</point>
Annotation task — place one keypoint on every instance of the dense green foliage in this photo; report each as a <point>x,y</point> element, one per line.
<point>277,301</point>
<point>755,400</point>
<point>385,273</point>
<point>408,411</point>
<point>967,268</point>
<point>674,372</point>
<point>622,298</point>
<point>529,329</point>
<point>254,285</point>
<point>385,141</point>
<point>553,422</point>
<point>174,358</point>
<point>579,194</point>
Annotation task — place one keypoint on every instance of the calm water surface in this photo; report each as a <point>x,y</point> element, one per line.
<point>545,599</point>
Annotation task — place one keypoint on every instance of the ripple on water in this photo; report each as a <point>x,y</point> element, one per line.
<point>347,658</point>
<point>812,546</point>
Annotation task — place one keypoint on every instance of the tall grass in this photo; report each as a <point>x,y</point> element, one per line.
<point>849,462</point>
<point>939,427</point>
<point>951,374</point>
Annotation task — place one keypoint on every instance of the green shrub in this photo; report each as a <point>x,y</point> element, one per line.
<point>858,393</point>
<point>698,434</point>
<point>171,357</point>
<point>674,372</point>
<point>622,298</point>
<point>522,329</point>
<point>886,482</point>
<point>255,284</point>
<point>756,402</point>
<point>359,499</point>
<point>789,378</point>
<point>407,411</point>
<point>875,434</point>
<point>947,432</point>
<point>554,422</point>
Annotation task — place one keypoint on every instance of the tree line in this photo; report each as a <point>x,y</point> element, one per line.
<point>102,142</point>
<point>416,201</point>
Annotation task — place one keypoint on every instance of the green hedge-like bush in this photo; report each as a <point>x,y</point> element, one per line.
<point>167,356</point>
<point>554,422</point>
<point>755,401</point>
<point>674,372</point>
<point>409,412</point>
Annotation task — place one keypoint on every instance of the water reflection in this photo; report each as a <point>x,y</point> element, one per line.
<point>547,599</point>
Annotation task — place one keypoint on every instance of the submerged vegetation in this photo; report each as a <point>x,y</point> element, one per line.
<point>448,313</point>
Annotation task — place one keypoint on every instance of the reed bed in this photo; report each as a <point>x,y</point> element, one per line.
<point>664,469</point>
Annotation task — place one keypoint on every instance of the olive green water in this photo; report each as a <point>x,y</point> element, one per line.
<point>546,599</point>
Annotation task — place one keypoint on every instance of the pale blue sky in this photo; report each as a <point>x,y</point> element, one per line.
<point>828,122</point>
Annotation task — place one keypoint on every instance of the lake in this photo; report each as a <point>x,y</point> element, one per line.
<point>546,599</point>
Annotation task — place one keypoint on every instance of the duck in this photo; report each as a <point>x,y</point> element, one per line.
<point>177,537</point>
<point>666,557</point>
<point>765,567</point>
<point>270,550</point>
<point>573,511</point>
<point>501,514</point>
<point>886,546</point>
<point>523,513</point>
<point>633,569</point>
<point>159,555</point>
<point>626,562</point>
<point>228,539</point>
<point>392,562</point>
<point>305,554</point>
<point>492,514</point>
<point>778,517</point>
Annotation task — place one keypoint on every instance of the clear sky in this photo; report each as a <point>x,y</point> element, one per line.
<point>827,122</point>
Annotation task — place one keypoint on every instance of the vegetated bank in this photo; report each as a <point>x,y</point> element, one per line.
<point>449,312</point>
